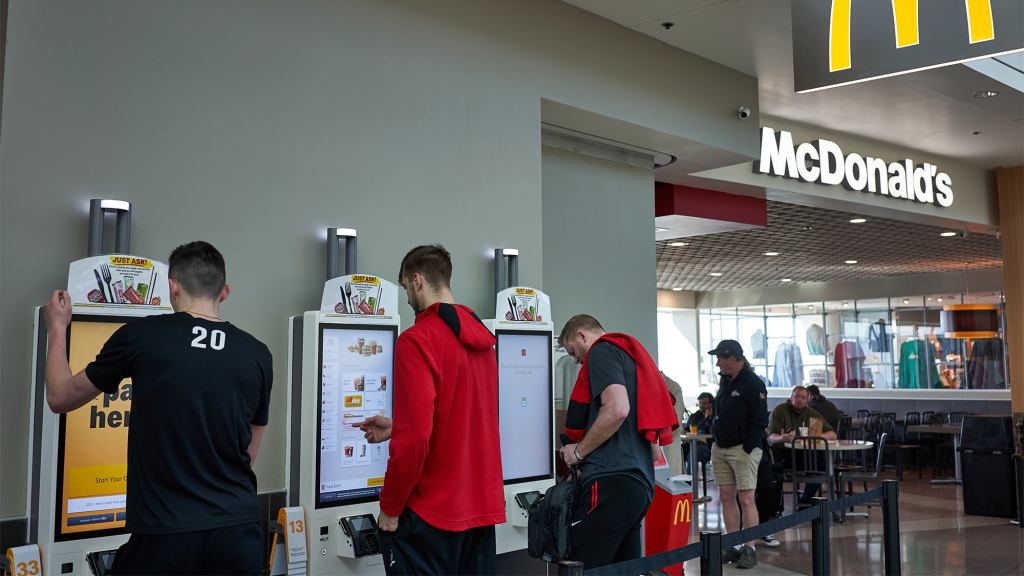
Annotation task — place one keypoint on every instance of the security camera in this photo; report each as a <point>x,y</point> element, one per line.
<point>667,25</point>
<point>743,112</point>
<point>963,233</point>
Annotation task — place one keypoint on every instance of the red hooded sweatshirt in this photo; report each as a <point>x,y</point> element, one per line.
<point>445,455</point>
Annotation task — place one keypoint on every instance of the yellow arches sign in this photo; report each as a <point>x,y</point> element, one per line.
<point>839,42</point>
<point>682,512</point>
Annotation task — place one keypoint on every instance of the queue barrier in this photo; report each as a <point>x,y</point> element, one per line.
<point>709,547</point>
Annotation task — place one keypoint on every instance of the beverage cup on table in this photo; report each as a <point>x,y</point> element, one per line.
<point>804,431</point>
<point>693,429</point>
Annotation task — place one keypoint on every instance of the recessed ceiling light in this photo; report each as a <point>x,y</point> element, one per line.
<point>938,299</point>
<point>787,280</point>
<point>716,274</point>
<point>677,289</point>
<point>810,306</point>
<point>858,220</point>
<point>929,298</point>
<point>659,229</point>
<point>906,300</point>
<point>771,253</point>
<point>678,244</point>
<point>948,234</point>
<point>985,94</point>
<point>851,261</point>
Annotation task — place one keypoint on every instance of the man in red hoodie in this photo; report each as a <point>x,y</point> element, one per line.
<point>620,409</point>
<point>443,490</point>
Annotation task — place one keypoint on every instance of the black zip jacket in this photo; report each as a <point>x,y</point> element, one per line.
<point>741,412</point>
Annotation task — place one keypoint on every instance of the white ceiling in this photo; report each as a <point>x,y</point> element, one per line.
<point>934,111</point>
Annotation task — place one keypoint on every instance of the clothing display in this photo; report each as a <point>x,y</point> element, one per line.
<point>758,344</point>
<point>917,365</point>
<point>789,366</point>
<point>985,368</point>
<point>879,339</point>
<point>849,364</point>
<point>816,340</point>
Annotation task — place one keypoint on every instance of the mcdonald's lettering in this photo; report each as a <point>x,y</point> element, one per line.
<point>824,162</point>
<point>682,512</point>
<point>838,42</point>
<point>906,23</point>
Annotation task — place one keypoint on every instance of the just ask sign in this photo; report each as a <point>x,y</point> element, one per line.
<point>824,162</point>
<point>837,42</point>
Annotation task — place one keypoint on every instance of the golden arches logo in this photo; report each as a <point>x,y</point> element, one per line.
<point>682,513</point>
<point>980,27</point>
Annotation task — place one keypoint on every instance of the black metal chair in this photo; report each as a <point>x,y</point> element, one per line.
<point>809,465</point>
<point>846,480</point>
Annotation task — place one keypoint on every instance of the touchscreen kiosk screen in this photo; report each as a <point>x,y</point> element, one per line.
<point>524,404</point>
<point>92,450</point>
<point>355,382</point>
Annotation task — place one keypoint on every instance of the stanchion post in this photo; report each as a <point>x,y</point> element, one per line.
<point>570,568</point>
<point>711,554</point>
<point>891,527</point>
<point>821,564</point>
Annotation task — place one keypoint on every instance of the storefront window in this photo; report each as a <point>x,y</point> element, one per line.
<point>811,340</point>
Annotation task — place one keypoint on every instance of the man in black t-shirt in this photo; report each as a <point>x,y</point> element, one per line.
<point>615,459</point>
<point>200,397</point>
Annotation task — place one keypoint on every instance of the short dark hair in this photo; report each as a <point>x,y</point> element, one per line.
<point>431,261</point>
<point>799,387</point>
<point>577,323</point>
<point>199,268</point>
<point>813,390</point>
<point>704,395</point>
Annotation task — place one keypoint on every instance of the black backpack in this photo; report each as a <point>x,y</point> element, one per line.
<point>550,521</point>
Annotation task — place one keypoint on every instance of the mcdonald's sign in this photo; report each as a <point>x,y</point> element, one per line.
<point>682,512</point>
<point>837,42</point>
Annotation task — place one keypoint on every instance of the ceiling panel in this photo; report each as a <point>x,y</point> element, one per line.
<point>813,245</point>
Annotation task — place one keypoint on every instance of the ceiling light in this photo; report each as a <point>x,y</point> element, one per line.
<point>677,289</point>
<point>985,94</point>
<point>716,274</point>
<point>115,205</point>
<point>948,234</point>
<point>929,298</point>
<point>678,244</point>
<point>906,300</point>
<point>858,220</point>
<point>938,299</point>
<point>659,229</point>
<point>851,261</point>
<point>787,279</point>
<point>771,253</point>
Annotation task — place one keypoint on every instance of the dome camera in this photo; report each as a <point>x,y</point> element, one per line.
<point>743,112</point>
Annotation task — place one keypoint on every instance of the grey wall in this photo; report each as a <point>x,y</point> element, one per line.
<point>598,243</point>
<point>256,124</point>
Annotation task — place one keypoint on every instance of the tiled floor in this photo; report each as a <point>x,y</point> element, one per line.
<point>935,536</point>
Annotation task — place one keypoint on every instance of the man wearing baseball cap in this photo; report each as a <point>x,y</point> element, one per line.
<point>741,408</point>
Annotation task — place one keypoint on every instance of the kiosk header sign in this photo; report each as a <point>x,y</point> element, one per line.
<point>119,285</point>
<point>837,42</point>
<point>521,304</point>
<point>360,295</point>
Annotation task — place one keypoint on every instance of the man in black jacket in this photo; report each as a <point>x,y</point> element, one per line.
<point>741,411</point>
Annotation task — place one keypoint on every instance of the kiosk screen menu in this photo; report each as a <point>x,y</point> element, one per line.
<point>356,369</point>
<point>524,404</point>
<point>92,449</point>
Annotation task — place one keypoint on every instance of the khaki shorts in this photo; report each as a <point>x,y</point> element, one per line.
<point>733,466</point>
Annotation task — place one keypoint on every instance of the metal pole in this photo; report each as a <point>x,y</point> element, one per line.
<point>821,564</point>
<point>499,270</point>
<point>711,554</point>
<point>123,232</point>
<point>891,527</point>
<point>332,253</point>
<point>570,568</point>
<point>95,228</point>
<point>513,270</point>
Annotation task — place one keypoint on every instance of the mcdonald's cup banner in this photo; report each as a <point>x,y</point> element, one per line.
<point>837,42</point>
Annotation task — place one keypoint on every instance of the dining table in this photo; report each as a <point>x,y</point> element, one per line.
<point>948,430</point>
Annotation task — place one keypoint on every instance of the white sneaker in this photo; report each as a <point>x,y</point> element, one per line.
<point>770,541</point>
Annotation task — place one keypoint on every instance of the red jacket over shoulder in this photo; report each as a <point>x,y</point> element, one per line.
<point>445,455</point>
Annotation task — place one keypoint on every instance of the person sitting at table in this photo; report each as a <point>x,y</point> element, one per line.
<point>829,411</point>
<point>784,425</point>
<point>702,419</point>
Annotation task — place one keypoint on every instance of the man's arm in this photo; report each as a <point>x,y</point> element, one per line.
<point>254,442</point>
<point>614,411</point>
<point>64,391</point>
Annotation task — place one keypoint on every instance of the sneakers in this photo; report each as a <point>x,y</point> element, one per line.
<point>748,558</point>
<point>770,541</point>
<point>730,555</point>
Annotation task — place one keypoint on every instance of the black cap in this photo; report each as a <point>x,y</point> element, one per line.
<point>728,348</point>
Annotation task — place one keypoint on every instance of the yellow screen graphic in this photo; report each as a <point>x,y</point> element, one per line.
<point>95,440</point>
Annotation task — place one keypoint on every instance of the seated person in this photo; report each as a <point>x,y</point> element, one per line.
<point>829,411</point>
<point>702,419</point>
<point>783,427</point>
